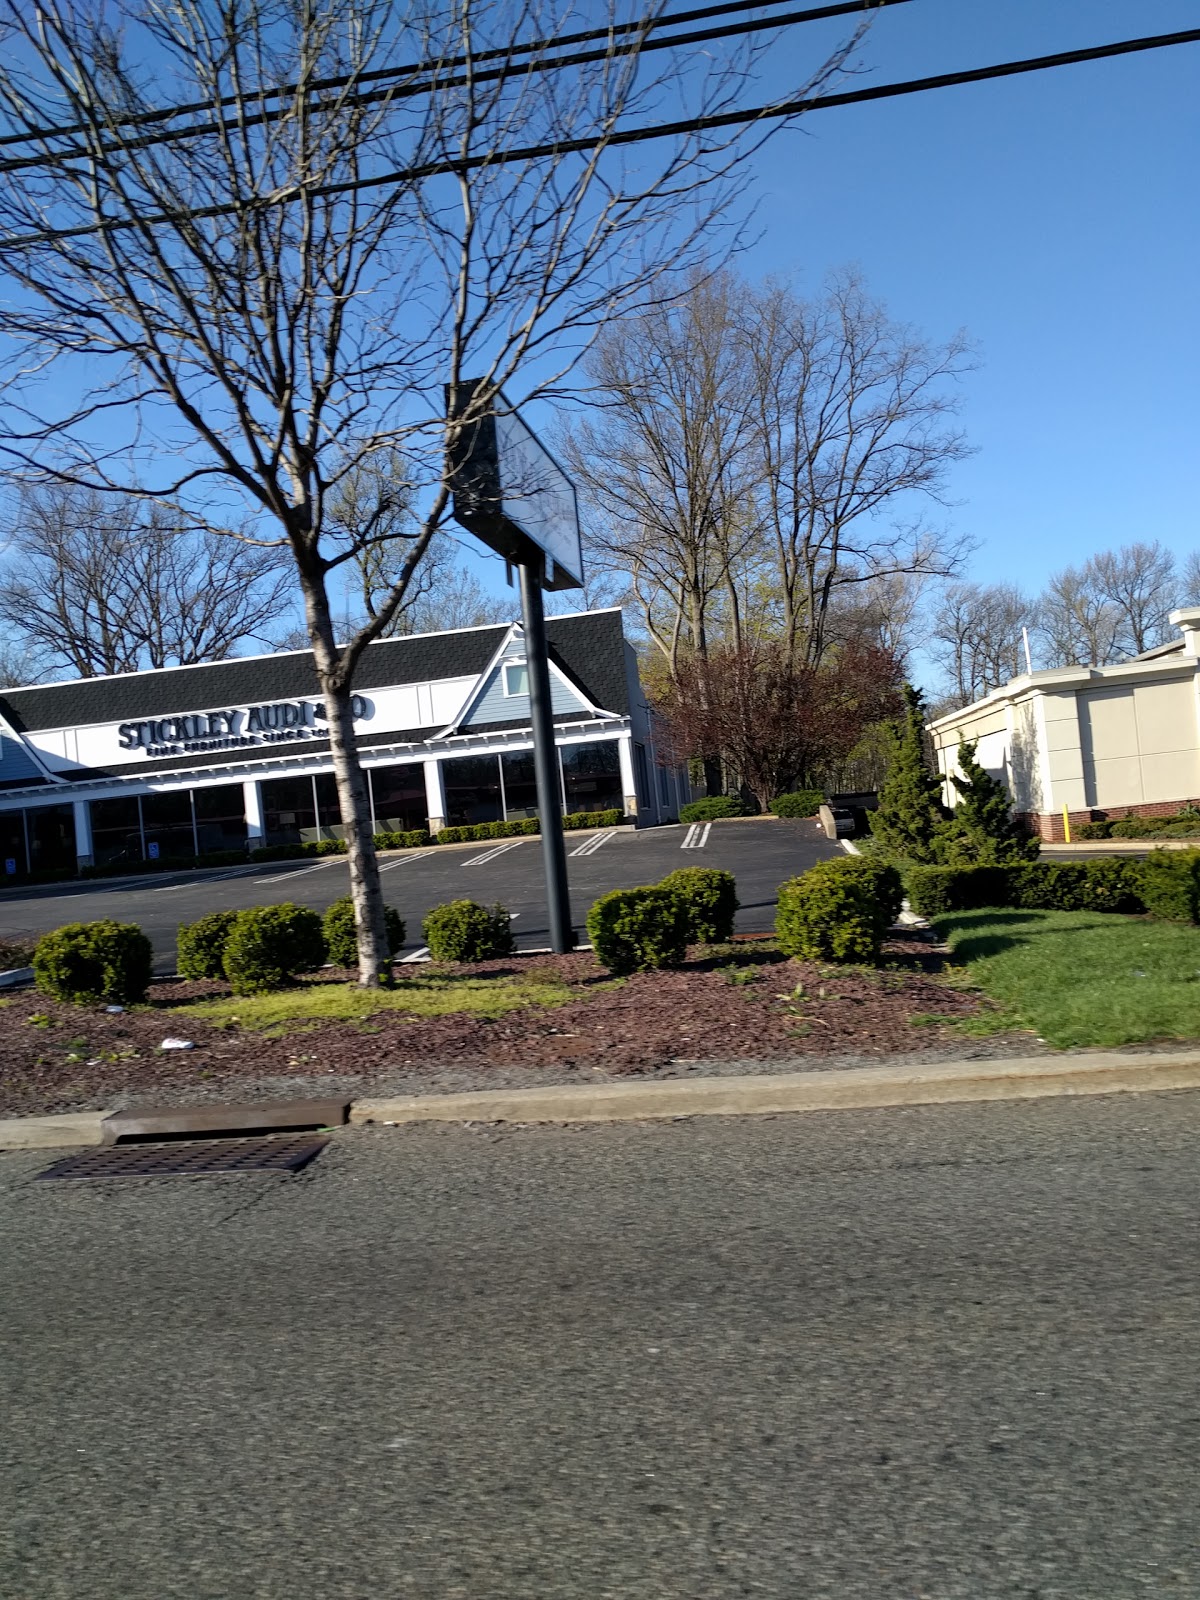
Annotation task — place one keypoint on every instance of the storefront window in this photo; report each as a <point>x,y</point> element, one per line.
<point>289,814</point>
<point>399,798</point>
<point>12,845</point>
<point>51,838</point>
<point>592,777</point>
<point>329,811</point>
<point>116,830</point>
<point>520,784</point>
<point>167,825</point>
<point>472,790</point>
<point>220,818</point>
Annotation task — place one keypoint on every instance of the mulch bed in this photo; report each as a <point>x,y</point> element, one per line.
<point>83,1057</point>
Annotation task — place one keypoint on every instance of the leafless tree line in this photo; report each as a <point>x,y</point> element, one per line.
<point>1112,607</point>
<point>755,464</point>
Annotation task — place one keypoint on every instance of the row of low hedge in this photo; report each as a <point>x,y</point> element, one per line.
<point>712,807</point>
<point>1166,884</point>
<point>1185,824</point>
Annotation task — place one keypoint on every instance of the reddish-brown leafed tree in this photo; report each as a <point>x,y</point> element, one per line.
<point>774,721</point>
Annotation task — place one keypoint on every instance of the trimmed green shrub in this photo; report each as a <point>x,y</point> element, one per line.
<point>94,961</point>
<point>341,934</point>
<point>1103,885</point>
<point>408,839</point>
<point>933,890</point>
<point>709,897</point>
<point>1170,885</point>
<point>463,930</point>
<point>1094,830</point>
<point>635,929</point>
<point>712,807</point>
<point>803,803</point>
<point>269,945</point>
<point>838,911</point>
<point>201,945</point>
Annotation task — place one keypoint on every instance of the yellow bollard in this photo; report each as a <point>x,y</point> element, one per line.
<point>1066,827</point>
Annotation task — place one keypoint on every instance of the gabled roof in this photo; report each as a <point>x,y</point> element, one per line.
<point>589,646</point>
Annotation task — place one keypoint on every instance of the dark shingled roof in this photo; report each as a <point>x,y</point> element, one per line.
<point>589,647</point>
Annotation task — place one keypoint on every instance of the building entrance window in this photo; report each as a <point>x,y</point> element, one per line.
<point>167,825</point>
<point>592,777</point>
<point>472,790</point>
<point>398,798</point>
<point>520,784</point>
<point>116,830</point>
<point>51,834</point>
<point>289,810</point>
<point>329,811</point>
<point>220,818</point>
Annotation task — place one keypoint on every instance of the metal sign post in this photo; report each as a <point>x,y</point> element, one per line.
<point>545,761</point>
<point>510,492</point>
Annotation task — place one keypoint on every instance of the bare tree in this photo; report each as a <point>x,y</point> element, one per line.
<point>664,466</point>
<point>1077,624</point>
<point>276,284</point>
<point>1189,580</point>
<point>1116,605</point>
<point>457,599</point>
<point>17,666</point>
<point>100,583</point>
<point>975,636</point>
<point>853,415</point>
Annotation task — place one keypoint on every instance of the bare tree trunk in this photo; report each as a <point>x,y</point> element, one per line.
<point>366,887</point>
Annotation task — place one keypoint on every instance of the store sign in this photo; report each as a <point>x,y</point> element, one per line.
<point>235,729</point>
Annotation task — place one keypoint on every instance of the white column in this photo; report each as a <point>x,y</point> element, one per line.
<point>83,834</point>
<point>435,795</point>
<point>628,786</point>
<point>255,832</point>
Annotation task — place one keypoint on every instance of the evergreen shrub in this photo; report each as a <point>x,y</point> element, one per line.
<point>268,946</point>
<point>712,807</point>
<point>1171,885</point>
<point>341,932</point>
<point>463,930</point>
<point>709,897</point>
<point>200,945</point>
<point>405,839</point>
<point>1094,830</point>
<point>934,890</point>
<point>981,831</point>
<point>909,813</point>
<point>94,961</point>
<point>803,803</point>
<point>488,830</point>
<point>612,818</point>
<point>838,911</point>
<point>635,929</point>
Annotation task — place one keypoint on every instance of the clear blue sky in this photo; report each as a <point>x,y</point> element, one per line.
<point>1056,217</point>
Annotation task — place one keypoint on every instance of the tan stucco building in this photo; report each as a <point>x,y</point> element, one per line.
<point>1097,741</point>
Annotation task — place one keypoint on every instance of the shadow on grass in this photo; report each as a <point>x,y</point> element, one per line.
<point>978,934</point>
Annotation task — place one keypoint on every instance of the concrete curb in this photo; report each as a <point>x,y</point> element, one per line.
<point>51,1133</point>
<point>858,1088</point>
<point>761,1095</point>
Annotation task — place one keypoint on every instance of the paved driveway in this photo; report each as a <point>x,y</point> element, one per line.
<point>761,853</point>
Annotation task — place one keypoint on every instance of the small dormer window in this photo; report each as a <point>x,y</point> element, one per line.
<point>516,678</point>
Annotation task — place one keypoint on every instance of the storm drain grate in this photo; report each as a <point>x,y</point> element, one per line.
<point>208,1159</point>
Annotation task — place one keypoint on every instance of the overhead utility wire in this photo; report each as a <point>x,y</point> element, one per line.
<point>643,25</point>
<point>784,108</point>
<point>407,90</point>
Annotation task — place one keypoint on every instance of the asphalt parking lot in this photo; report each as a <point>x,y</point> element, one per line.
<point>760,852</point>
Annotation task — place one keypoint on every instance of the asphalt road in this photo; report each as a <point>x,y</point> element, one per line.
<point>761,854</point>
<point>936,1354</point>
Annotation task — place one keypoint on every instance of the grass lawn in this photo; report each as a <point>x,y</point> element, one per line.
<point>430,995</point>
<point>1081,977</point>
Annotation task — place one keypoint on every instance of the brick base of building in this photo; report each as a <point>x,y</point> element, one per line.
<point>1049,824</point>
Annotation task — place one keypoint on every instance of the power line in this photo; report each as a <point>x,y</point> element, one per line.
<point>753,114</point>
<point>610,50</point>
<point>644,25</point>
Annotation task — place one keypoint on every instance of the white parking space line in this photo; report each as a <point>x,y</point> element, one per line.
<point>300,871</point>
<point>590,846</point>
<point>405,860</point>
<point>490,855</point>
<point>192,883</point>
<point>417,955</point>
<point>697,836</point>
